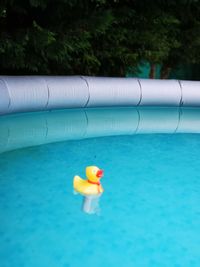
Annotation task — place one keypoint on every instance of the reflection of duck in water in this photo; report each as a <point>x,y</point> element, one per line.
<point>92,185</point>
<point>91,204</point>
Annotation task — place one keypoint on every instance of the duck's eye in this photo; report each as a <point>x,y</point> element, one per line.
<point>94,171</point>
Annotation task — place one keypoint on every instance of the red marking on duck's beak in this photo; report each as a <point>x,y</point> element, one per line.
<point>99,173</point>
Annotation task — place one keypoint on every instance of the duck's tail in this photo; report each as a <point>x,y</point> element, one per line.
<point>76,182</point>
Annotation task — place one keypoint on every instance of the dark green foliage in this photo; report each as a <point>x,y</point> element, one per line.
<point>97,37</point>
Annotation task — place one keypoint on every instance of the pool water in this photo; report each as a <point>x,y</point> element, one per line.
<point>149,214</point>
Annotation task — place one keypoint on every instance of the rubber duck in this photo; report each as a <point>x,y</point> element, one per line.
<point>92,185</point>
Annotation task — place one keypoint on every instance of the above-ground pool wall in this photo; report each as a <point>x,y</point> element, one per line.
<point>29,93</point>
<point>113,91</point>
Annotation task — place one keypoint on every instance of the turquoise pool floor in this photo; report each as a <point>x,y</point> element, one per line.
<point>149,213</point>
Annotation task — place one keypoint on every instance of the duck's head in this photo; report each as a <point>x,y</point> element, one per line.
<point>93,173</point>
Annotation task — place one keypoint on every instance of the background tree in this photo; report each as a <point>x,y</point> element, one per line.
<point>48,38</point>
<point>97,37</point>
<point>187,12</point>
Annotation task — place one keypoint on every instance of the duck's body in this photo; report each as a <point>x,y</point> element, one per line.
<point>91,186</point>
<point>85,187</point>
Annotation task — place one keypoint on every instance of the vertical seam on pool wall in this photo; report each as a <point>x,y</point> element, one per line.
<point>140,92</point>
<point>136,130</point>
<point>48,94</point>
<point>47,129</point>
<point>85,80</point>
<point>9,97</point>
<point>179,119</point>
<point>181,100</point>
<point>87,122</point>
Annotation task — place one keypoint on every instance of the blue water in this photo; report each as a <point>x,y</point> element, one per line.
<point>149,213</point>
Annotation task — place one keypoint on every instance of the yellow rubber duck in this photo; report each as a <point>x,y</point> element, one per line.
<point>92,185</point>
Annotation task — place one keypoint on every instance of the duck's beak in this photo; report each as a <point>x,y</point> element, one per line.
<point>99,174</point>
